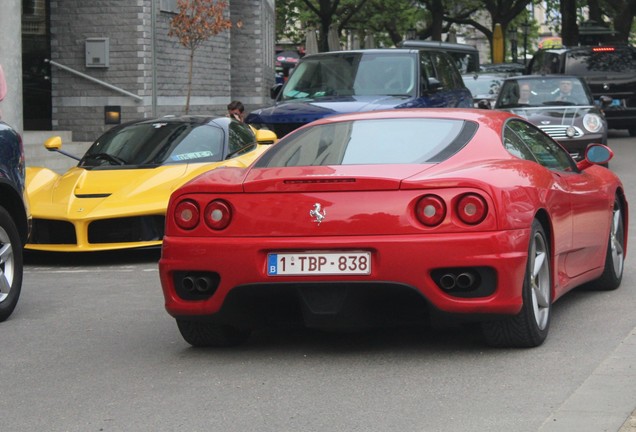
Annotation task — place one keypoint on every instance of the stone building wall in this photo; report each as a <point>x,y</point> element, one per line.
<point>78,103</point>
<point>235,64</point>
<point>253,51</point>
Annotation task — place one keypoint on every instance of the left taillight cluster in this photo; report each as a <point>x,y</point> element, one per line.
<point>470,208</point>
<point>217,214</point>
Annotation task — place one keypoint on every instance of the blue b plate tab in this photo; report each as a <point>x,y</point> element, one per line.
<point>272,268</point>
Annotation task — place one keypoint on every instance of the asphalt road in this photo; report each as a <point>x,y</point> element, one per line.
<point>91,348</point>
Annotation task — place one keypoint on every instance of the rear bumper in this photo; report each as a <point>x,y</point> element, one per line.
<point>404,261</point>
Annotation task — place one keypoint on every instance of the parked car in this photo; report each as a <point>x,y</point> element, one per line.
<point>116,196</point>
<point>608,70</point>
<point>466,56</point>
<point>574,123</point>
<point>484,87</point>
<point>508,68</point>
<point>362,80</point>
<point>382,217</point>
<point>14,218</point>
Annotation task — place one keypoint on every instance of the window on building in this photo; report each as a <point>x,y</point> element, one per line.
<point>28,7</point>
<point>168,6</point>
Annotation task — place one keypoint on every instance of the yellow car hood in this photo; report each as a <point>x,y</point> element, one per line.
<point>93,194</point>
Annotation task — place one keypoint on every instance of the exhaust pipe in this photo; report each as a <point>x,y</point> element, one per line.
<point>448,281</point>
<point>203,284</point>
<point>465,280</point>
<point>188,283</point>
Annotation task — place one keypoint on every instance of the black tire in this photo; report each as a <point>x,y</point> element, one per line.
<point>11,265</point>
<point>529,328</point>
<point>615,257</point>
<point>209,334</point>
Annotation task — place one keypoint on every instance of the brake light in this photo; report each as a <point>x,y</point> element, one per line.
<point>471,209</point>
<point>430,210</point>
<point>218,215</point>
<point>603,49</point>
<point>186,214</point>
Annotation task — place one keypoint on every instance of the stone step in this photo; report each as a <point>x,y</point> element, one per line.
<point>37,156</point>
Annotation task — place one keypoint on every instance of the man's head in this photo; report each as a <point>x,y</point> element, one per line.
<point>235,109</point>
<point>524,91</point>
<point>565,86</point>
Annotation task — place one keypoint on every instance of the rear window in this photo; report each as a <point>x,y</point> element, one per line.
<point>482,85</point>
<point>382,141</point>
<point>601,61</point>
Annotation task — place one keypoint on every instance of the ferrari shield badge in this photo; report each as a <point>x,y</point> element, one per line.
<point>317,213</point>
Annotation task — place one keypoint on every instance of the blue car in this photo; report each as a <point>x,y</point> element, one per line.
<point>14,218</point>
<point>362,80</point>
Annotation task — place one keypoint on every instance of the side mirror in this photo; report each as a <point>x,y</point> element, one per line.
<point>596,154</point>
<point>275,90</point>
<point>265,136</point>
<point>605,101</point>
<point>53,144</point>
<point>434,85</point>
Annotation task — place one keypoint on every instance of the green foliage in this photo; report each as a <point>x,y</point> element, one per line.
<point>389,20</point>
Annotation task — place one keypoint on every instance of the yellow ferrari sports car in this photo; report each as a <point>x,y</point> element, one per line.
<point>116,196</point>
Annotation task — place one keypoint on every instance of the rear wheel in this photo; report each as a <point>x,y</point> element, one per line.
<point>10,265</point>
<point>615,256</point>
<point>209,334</point>
<point>529,327</point>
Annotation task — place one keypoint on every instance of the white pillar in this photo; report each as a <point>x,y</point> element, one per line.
<point>11,60</point>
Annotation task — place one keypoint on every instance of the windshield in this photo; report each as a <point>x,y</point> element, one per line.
<point>152,144</point>
<point>384,141</point>
<point>557,91</point>
<point>353,74</point>
<point>482,85</point>
<point>602,61</point>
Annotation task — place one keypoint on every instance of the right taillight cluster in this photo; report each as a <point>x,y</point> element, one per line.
<point>469,208</point>
<point>217,214</point>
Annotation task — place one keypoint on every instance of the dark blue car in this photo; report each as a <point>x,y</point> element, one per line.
<point>362,80</point>
<point>14,218</point>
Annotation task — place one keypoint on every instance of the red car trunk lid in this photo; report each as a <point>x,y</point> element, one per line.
<point>329,178</point>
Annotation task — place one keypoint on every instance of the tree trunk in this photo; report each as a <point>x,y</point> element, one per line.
<point>437,15</point>
<point>569,28</point>
<point>187,107</point>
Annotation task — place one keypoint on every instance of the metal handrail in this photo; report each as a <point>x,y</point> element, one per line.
<point>90,78</point>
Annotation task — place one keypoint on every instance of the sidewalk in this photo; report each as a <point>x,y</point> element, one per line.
<point>606,401</point>
<point>630,424</point>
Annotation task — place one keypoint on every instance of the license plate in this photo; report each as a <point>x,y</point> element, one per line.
<point>319,263</point>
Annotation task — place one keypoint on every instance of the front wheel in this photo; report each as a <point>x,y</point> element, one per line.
<point>529,327</point>
<point>10,265</point>
<point>210,334</point>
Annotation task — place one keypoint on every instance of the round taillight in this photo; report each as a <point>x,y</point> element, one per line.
<point>186,214</point>
<point>471,209</point>
<point>217,214</point>
<point>431,210</point>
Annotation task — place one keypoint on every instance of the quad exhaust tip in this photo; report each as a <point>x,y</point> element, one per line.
<point>465,280</point>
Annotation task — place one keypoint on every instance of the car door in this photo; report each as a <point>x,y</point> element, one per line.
<point>578,204</point>
<point>441,81</point>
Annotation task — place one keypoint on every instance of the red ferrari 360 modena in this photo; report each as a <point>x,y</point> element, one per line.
<point>383,217</point>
